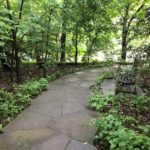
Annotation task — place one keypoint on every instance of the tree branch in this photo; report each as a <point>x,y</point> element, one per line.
<point>134,15</point>
<point>20,10</point>
<point>9,8</point>
<point>23,37</point>
<point>11,18</point>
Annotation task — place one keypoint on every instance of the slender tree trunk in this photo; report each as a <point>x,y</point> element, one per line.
<point>57,53</point>
<point>15,46</point>
<point>63,48</point>
<point>15,54</point>
<point>76,45</point>
<point>125,32</point>
<point>44,67</point>
<point>124,44</point>
<point>18,69</point>
<point>47,44</point>
<point>63,36</point>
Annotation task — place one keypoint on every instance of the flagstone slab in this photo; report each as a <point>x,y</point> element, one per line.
<point>26,121</point>
<point>86,84</point>
<point>78,92</point>
<point>80,73</point>
<point>108,87</point>
<point>23,139</point>
<point>68,108</point>
<point>57,143</point>
<point>46,109</point>
<point>75,125</point>
<point>76,145</point>
<point>51,96</point>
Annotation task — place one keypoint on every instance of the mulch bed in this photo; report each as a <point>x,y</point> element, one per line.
<point>29,72</point>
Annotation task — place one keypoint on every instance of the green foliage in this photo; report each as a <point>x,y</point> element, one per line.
<point>145,70</point>
<point>111,129</point>
<point>33,88</point>
<point>104,75</point>
<point>1,126</point>
<point>97,101</point>
<point>9,109</point>
<point>12,104</point>
<point>101,103</point>
<point>113,124</point>
<point>4,25</point>
<point>142,102</point>
<point>37,31</point>
<point>51,77</point>
<point>8,105</point>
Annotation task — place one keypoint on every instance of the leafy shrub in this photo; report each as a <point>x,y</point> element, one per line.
<point>43,83</point>
<point>142,102</point>
<point>8,105</point>
<point>4,95</point>
<point>12,104</point>
<point>112,130</point>
<point>97,101</point>
<point>104,75</point>
<point>33,88</point>
<point>51,77</point>
<point>22,99</point>
<point>1,126</point>
<point>9,109</point>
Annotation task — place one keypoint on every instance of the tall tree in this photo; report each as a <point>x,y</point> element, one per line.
<point>63,34</point>
<point>127,21</point>
<point>15,44</point>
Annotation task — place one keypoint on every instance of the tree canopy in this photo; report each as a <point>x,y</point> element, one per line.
<point>48,32</point>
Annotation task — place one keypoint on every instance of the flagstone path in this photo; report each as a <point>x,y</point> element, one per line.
<point>57,119</point>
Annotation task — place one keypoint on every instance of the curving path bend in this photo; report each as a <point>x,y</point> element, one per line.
<point>57,119</point>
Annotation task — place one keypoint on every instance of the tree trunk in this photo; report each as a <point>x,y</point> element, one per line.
<point>63,48</point>
<point>125,29</point>
<point>76,45</point>
<point>15,45</point>
<point>63,36</point>
<point>15,54</point>
<point>12,64</point>
<point>127,20</point>
<point>18,69</point>
<point>45,66</point>
<point>124,44</point>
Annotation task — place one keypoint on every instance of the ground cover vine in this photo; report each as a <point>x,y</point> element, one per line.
<point>124,121</point>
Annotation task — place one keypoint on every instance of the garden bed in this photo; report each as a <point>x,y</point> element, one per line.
<point>31,71</point>
<point>124,121</point>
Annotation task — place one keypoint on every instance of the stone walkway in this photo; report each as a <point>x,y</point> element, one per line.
<point>108,87</point>
<point>57,119</point>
